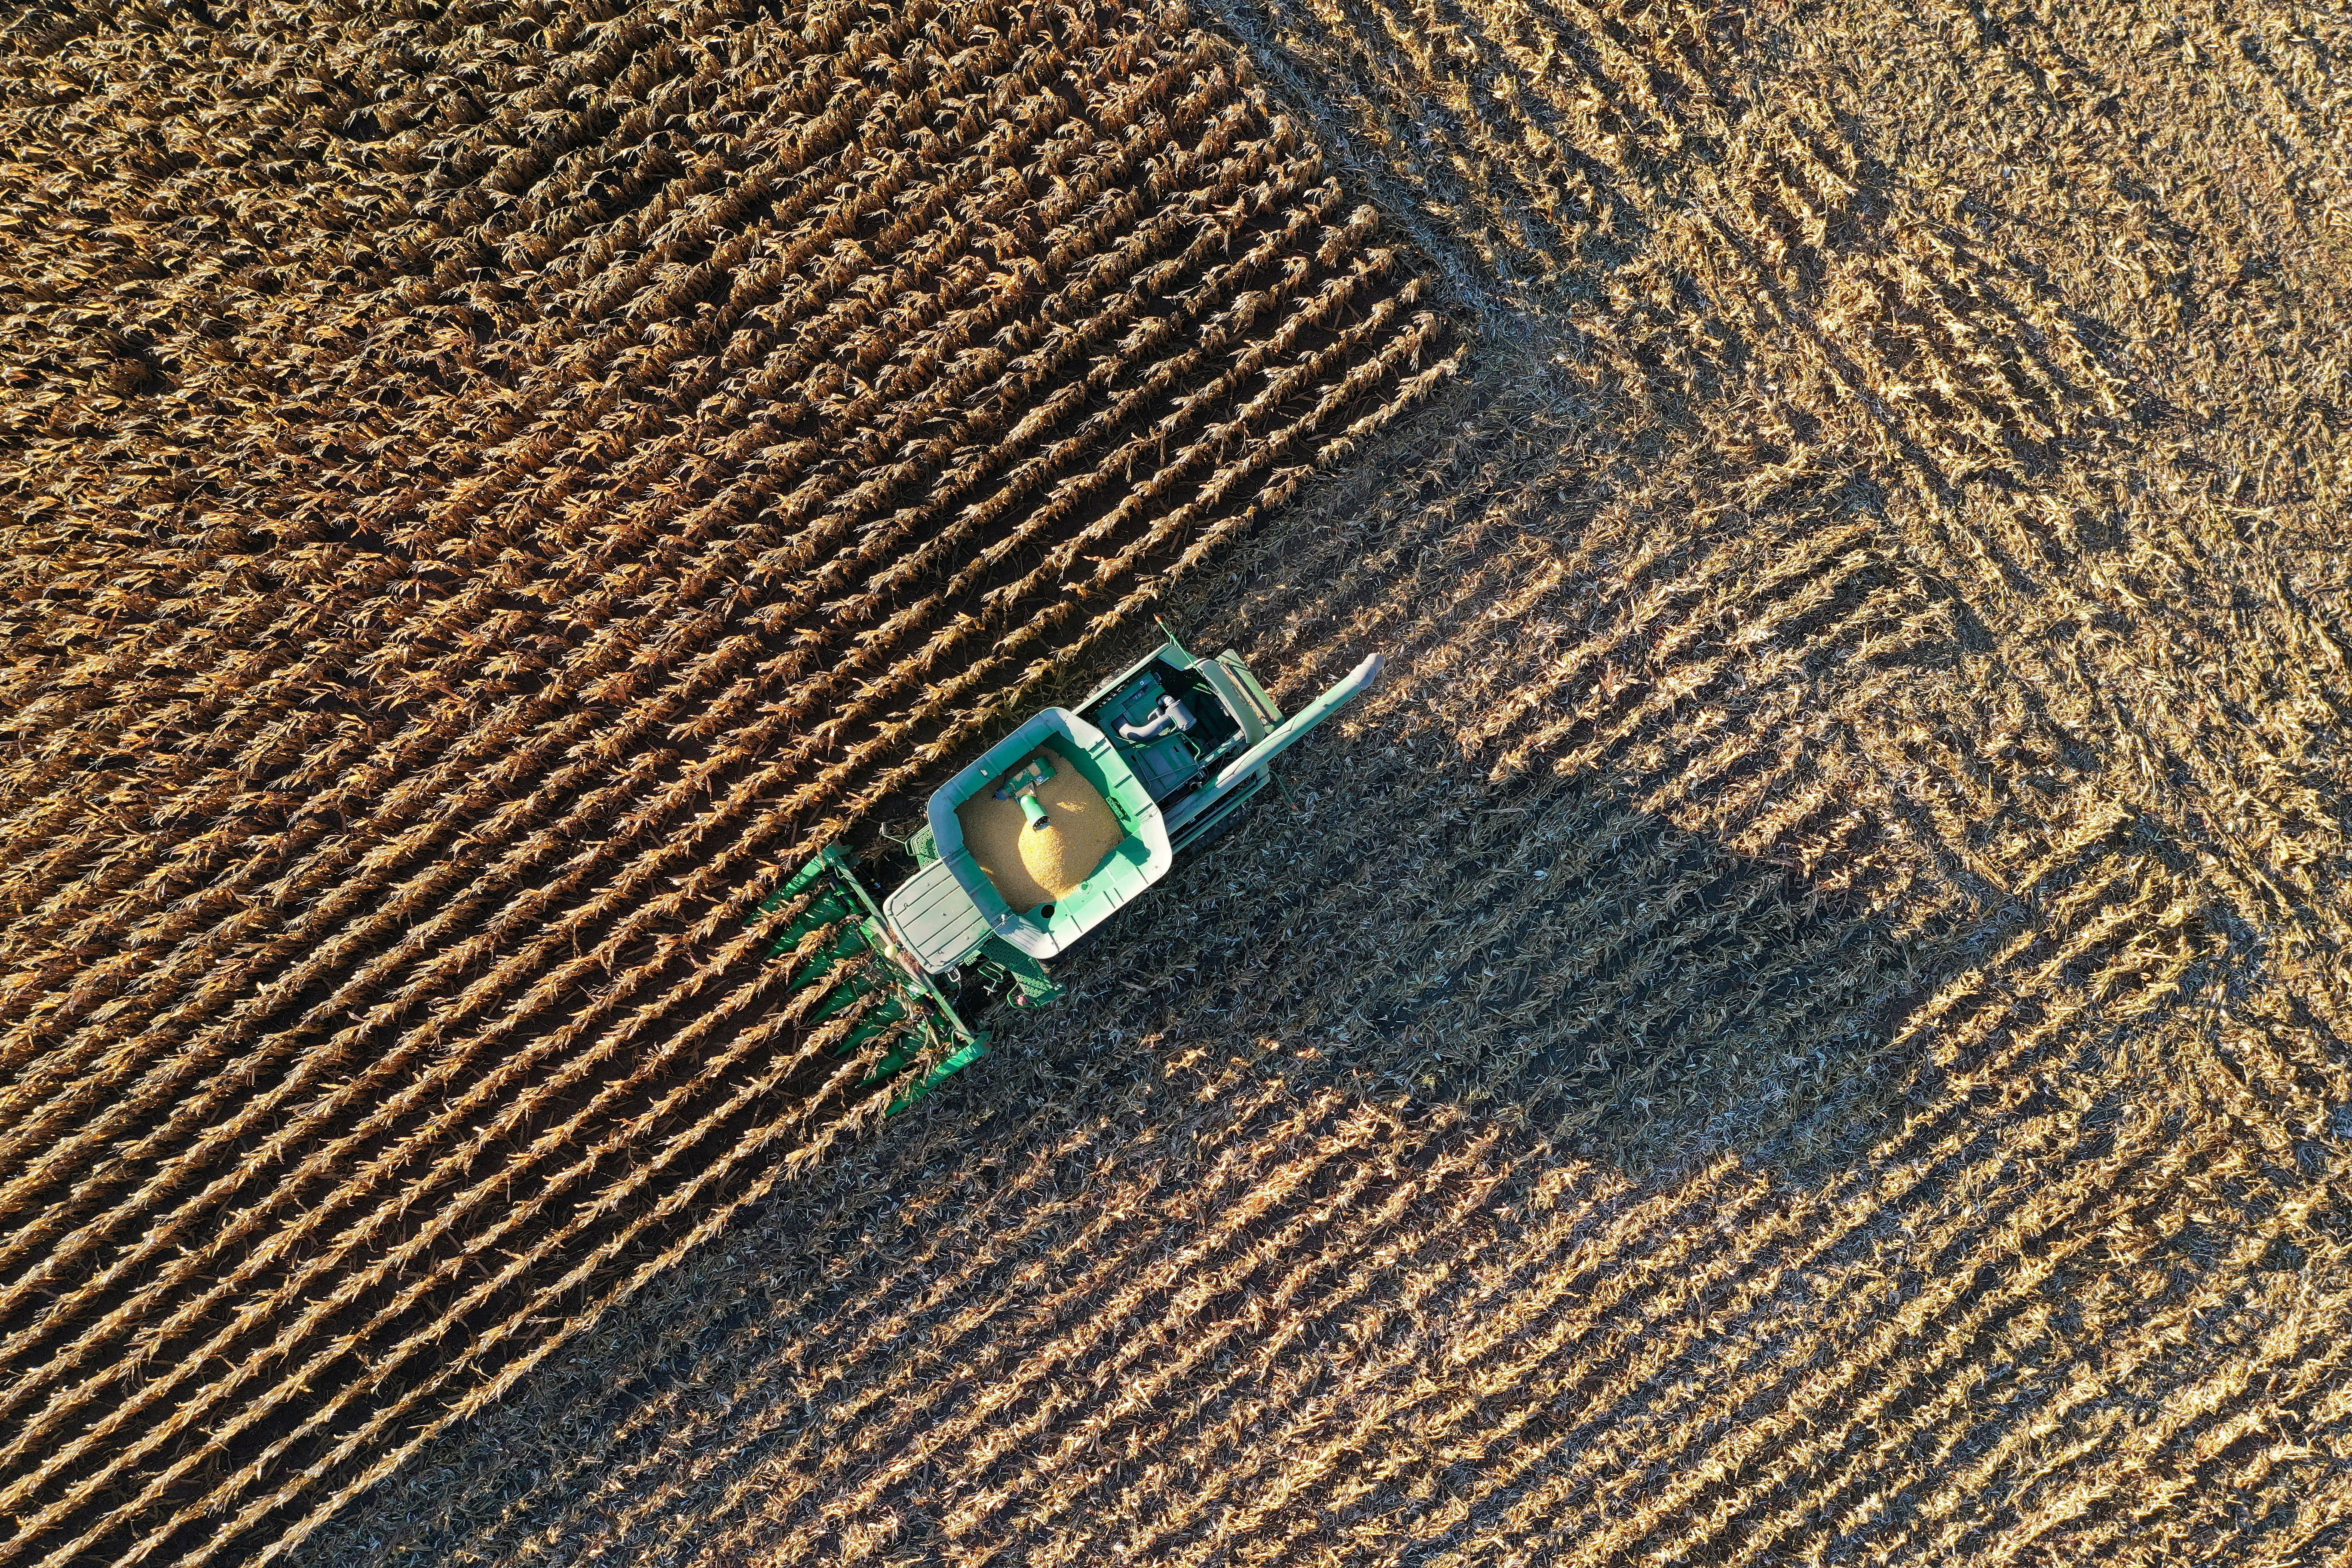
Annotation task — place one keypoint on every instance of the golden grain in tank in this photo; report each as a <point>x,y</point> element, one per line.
<point>1033,865</point>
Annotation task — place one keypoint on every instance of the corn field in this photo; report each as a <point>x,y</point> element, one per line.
<point>1805,1021</point>
<point>492,488</point>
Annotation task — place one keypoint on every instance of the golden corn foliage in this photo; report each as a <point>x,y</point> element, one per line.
<point>1807,1019</point>
<point>490,487</point>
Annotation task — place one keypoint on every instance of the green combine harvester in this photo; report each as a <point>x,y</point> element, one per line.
<point>1059,825</point>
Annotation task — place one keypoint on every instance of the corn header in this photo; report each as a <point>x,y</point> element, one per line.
<point>1051,831</point>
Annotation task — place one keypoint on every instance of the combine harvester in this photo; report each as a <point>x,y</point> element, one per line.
<point>1061,824</point>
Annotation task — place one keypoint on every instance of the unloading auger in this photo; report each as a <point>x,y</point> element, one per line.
<point>1055,829</point>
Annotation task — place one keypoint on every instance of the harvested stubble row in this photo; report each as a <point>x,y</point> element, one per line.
<point>493,486</point>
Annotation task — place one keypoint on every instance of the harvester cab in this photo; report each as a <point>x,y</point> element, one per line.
<point>1047,835</point>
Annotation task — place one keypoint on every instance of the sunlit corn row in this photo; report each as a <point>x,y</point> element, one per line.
<point>686,430</point>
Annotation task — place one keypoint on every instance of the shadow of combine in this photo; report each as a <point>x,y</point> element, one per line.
<point>1623,984</point>
<point>1552,954</point>
<point>1352,1051</point>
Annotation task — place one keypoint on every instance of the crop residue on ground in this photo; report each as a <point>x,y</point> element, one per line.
<point>1806,1019</point>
